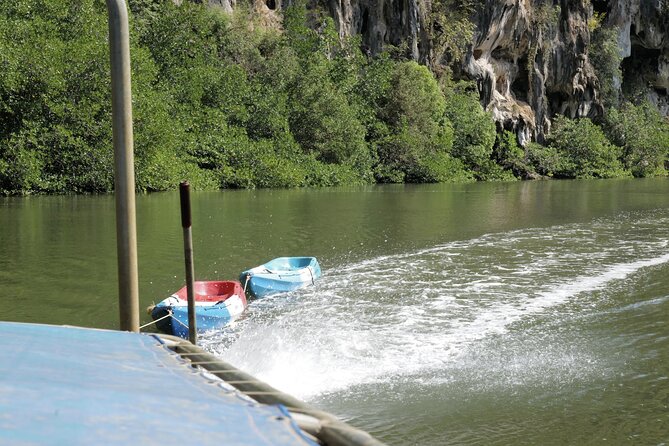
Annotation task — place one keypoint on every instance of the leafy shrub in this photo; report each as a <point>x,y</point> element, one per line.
<point>409,156</point>
<point>606,59</point>
<point>320,174</point>
<point>224,101</point>
<point>411,137</point>
<point>398,154</point>
<point>20,164</point>
<point>440,167</point>
<point>510,156</point>
<point>544,160</point>
<point>413,100</point>
<point>322,120</point>
<point>474,129</point>
<point>585,151</point>
<point>644,136</point>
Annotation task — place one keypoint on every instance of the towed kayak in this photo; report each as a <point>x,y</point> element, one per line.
<point>280,275</point>
<point>217,303</point>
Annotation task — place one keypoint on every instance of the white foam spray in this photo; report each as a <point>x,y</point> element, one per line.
<point>398,316</point>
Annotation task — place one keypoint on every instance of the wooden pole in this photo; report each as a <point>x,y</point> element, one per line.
<point>184,192</point>
<point>124,170</point>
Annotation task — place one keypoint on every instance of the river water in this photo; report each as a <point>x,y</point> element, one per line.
<point>505,314</point>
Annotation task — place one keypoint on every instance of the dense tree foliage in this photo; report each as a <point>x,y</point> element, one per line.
<point>227,102</point>
<point>643,135</point>
<point>584,150</point>
<point>606,58</point>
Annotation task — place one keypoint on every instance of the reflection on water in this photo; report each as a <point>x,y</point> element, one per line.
<point>524,313</point>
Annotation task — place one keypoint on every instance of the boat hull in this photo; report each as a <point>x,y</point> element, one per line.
<point>74,386</point>
<point>215,307</point>
<point>280,275</point>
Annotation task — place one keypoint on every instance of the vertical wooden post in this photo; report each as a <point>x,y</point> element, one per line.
<point>124,170</point>
<point>184,192</point>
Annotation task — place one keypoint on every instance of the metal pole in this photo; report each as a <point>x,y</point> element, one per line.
<point>184,192</point>
<point>124,172</point>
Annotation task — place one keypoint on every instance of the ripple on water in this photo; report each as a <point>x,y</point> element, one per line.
<point>436,309</point>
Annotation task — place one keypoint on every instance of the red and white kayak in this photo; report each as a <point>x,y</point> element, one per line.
<point>217,303</point>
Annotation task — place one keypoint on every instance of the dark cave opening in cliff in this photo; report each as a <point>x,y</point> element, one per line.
<point>521,85</point>
<point>271,4</point>
<point>557,101</point>
<point>639,70</point>
<point>600,6</point>
<point>365,22</point>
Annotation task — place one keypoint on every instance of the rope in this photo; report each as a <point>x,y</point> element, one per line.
<point>179,321</point>
<point>313,282</point>
<point>203,362</point>
<point>263,393</point>
<point>169,313</point>
<point>327,425</point>
<point>215,372</point>
<point>248,277</point>
<point>254,381</point>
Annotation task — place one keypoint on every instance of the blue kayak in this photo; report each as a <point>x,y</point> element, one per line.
<point>217,303</point>
<point>280,275</point>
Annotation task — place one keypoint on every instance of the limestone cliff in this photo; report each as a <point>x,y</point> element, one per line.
<point>382,22</point>
<point>530,58</point>
<point>643,27</point>
<point>531,62</point>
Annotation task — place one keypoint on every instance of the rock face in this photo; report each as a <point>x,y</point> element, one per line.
<point>643,27</point>
<point>530,58</point>
<point>530,61</point>
<point>382,22</point>
<point>225,5</point>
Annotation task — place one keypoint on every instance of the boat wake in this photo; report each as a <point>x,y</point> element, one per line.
<point>424,313</point>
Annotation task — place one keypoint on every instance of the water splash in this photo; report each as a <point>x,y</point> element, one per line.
<point>419,313</point>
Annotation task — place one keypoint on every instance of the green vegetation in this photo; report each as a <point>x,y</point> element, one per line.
<point>643,135</point>
<point>225,102</point>
<point>512,157</point>
<point>452,29</point>
<point>584,151</point>
<point>606,58</point>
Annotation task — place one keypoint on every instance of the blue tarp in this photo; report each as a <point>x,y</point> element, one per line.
<point>68,385</point>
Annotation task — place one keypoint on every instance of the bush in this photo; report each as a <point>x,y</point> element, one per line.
<point>584,150</point>
<point>323,122</point>
<point>398,155</point>
<point>440,168</point>
<point>20,164</point>
<point>474,129</point>
<point>226,102</point>
<point>408,156</point>
<point>411,135</point>
<point>54,96</point>
<point>319,174</point>
<point>413,100</point>
<point>511,157</point>
<point>543,160</point>
<point>606,59</point>
<point>644,136</point>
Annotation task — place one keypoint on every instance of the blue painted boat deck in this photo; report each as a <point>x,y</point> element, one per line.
<point>68,385</point>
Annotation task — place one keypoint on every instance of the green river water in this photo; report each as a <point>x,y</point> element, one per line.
<point>529,313</point>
